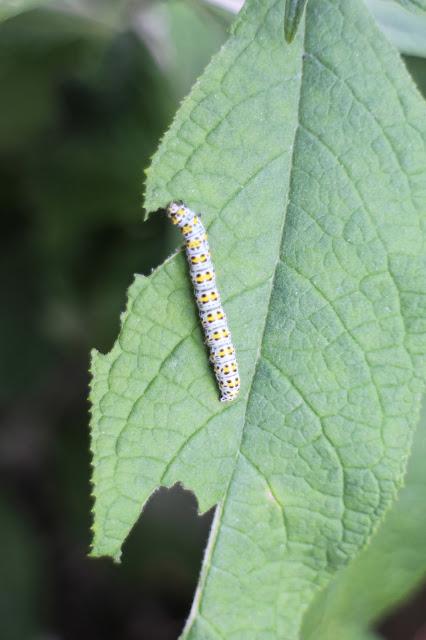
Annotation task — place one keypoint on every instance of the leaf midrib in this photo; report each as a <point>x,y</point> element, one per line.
<point>195,609</point>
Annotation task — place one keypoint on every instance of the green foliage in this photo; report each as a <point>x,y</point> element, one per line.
<point>22,571</point>
<point>71,103</point>
<point>82,108</point>
<point>309,163</point>
<point>413,5</point>
<point>293,14</point>
<point>404,23</point>
<point>386,571</point>
<point>417,69</point>
<point>187,54</point>
<point>9,8</point>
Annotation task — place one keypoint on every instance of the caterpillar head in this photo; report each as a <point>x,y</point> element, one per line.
<point>177,213</point>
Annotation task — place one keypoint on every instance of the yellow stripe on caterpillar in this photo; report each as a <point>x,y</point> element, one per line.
<point>207,276</point>
<point>200,259</point>
<point>208,297</point>
<point>226,369</point>
<point>215,316</point>
<point>218,335</point>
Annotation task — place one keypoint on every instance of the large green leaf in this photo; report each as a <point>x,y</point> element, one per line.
<point>390,567</point>
<point>403,22</point>
<point>308,162</point>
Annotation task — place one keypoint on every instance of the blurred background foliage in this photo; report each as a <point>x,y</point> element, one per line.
<point>88,88</point>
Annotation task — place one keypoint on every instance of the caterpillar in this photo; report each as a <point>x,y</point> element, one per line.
<point>213,319</point>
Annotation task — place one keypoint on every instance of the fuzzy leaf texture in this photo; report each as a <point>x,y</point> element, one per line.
<point>384,573</point>
<point>308,164</point>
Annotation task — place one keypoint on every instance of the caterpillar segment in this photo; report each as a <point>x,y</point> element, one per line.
<point>213,318</point>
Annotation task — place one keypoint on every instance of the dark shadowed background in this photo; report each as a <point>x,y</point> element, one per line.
<point>87,88</point>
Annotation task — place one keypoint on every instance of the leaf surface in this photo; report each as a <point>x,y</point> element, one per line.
<point>392,565</point>
<point>308,163</point>
<point>417,6</point>
<point>404,23</point>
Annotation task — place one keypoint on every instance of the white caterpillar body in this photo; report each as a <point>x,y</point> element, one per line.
<point>213,318</point>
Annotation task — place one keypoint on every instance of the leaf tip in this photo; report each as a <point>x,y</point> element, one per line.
<point>289,31</point>
<point>293,14</point>
<point>97,551</point>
